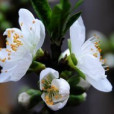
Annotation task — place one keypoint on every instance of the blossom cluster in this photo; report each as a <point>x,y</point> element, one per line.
<point>21,49</point>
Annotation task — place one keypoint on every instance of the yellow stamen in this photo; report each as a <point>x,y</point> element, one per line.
<point>21,24</point>
<point>95,55</point>
<point>33,21</point>
<point>7,43</point>
<point>9,33</point>
<point>9,58</point>
<point>3,60</point>
<point>8,50</point>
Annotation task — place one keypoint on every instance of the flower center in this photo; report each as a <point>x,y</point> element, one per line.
<point>51,91</point>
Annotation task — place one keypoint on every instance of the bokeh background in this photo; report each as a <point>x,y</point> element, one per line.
<point>98,15</point>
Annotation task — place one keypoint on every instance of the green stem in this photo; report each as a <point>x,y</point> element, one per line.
<point>56,51</point>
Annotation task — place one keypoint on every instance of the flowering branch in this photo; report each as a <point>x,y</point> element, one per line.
<point>63,77</point>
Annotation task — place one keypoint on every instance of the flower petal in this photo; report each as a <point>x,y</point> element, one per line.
<point>56,106</point>
<point>91,66</point>
<point>95,73</point>
<point>89,48</point>
<point>33,29</point>
<point>101,84</point>
<point>42,33</point>
<point>3,56</point>
<point>48,71</point>
<point>77,35</point>
<point>62,85</point>
<point>15,70</point>
<point>26,19</point>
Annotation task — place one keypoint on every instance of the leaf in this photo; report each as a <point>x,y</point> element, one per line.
<point>55,22</point>
<point>77,4</point>
<point>71,20</point>
<point>59,18</point>
<point>43,10</point>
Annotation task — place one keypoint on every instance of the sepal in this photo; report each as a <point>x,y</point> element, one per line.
<point>77,99</point>
<point>29,98</point>
<point>73,81</point>
<point>36,66</point>
<point>39,53</point>
<point>35,97</point>
<point>72,64</point>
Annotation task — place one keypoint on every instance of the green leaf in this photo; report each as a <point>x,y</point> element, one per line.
<point>58,19</point>
<point>77,4</point>
<point>43,10</point>
<point>76,99</point>
<point>55,22</point>
<point>71,20</point>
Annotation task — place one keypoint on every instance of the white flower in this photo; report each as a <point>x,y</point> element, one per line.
<point>24,99</point>
<point>88,56</point>
<point>21,47</point>
<point>55,91</point>
<point>109,59</point>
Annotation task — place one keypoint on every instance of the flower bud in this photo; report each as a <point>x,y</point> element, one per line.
<point>24,99</point>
